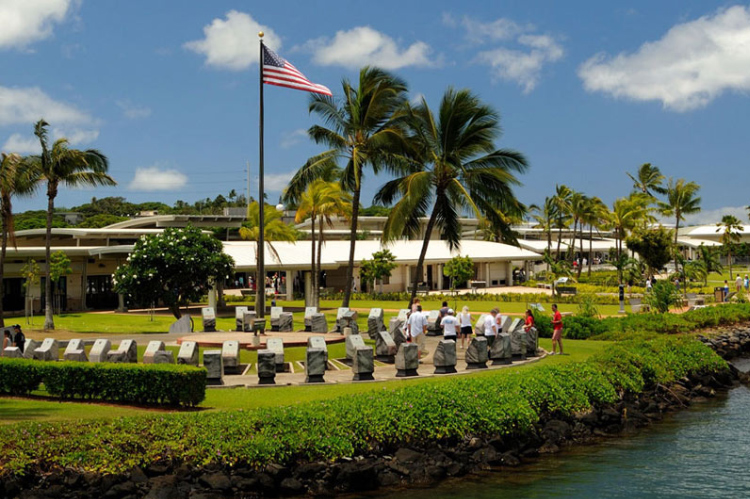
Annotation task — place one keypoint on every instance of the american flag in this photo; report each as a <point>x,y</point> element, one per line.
<point>278,71</point>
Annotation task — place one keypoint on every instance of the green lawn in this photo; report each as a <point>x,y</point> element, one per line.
<point>39,409</point>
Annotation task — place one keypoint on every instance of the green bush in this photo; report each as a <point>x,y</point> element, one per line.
<point>581,328</point>
<point>124,383</point>
<point>501,403</point>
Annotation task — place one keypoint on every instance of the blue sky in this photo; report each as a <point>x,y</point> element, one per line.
<point>587,90</point>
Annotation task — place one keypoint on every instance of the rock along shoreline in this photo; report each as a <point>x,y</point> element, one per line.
<point>396,467</point>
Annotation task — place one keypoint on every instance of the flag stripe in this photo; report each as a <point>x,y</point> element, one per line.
<point>278,71</point>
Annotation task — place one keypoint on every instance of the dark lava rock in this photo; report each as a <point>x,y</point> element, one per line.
<point>291,486</point>
<point>215,481</point>
<point>406,455</point>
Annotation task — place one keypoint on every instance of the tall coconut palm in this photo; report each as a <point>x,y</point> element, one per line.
<point>648,180</point>
<point>364,131</point>
<point>62,165</point>
<point>593,214</point>
<point>561,200</point>
<point>274,229</point>
<point>710,257</point>
<point>730,228</point>
<point>544,216</point>
<point>626,214</point>
<point>577,206</point>
<point>320,202</point>
<point>457,169</point>
<point>682,199</point>
<point>15,179</point>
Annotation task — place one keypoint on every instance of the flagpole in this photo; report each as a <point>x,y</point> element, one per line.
<point>261,284</point>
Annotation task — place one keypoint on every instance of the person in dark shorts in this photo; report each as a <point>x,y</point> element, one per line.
<point>466,329</point>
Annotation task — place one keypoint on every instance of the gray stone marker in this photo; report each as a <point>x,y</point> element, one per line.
<point>501,352</point>
<point>444,358</point>
<point>315,365</point>
<point>340,315</point>
<point>164,357</point>
<point>394,325</point>
<point>518,341</point>
<point>504,325</point>
<point>375,323</point>
<point>403,314</point>
<point>100,350</point>
<point>363,364</point>
<point>239,318</point>
<point>309,312</point>
<point>127,352</point>
<point>188,353</point>
<point>318,342</point>
<point>399,337</point>
<point>318,323</point>
<point>212,362</point>
<point>479,325</point>
<point>348,319</point>
<point>248,319</point>
<point>30,347</point>
<point>49,350</point>
<point>385,347</point>
<point>477,354</point>
<point>183,325</point>
<point>407,360</point>
<point>276,345</point>
<point>12,353</point>
<point>275,316</point>
<point>151,349</point>
<point>266,367</point>
<point>353,341</point>
<point>433,323</point>
<point>230,356</point>
<point>532,342</point>
<point>208,314</point>
<point>285,322</point>
<point>75,351</point>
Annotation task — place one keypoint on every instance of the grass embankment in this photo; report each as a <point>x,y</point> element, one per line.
<point>503,402</point>
<point>39,409</point>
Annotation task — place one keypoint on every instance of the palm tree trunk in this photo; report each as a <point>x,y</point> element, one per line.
<point>310,300</point>
<point>49,322</point>
<point>559,237</point>
<point>591,247</point>
<point>549,240</point>
<point>580,265</point>
<point>676,248</point>
<point>352,243</point>
<point>3,250</point>
<point>320,252</point>
<point>422,255</point>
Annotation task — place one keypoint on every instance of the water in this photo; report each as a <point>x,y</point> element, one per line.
<point>701,452</point>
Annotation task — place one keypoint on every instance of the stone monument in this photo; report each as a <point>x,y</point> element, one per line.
<point>444,358</point>
<point>230,356</point>
<point>276,345</point>
<point>12,353</point>
<point>433,323</point>
<point>353,341</point>
<point>239,318</point>
<point>285,322</point>
<point>407,360</point>
<point>209,319</point>
<point>100,350</point>
<point>75,351</point>
<point>532,342</point>
<point>275,316</point>
<point>309,312</point>
<point>127,352</point>
<point>318,323</point>
<point>188,353</point>
<point>266,367</point>
<point>385,347</point>
<point>215,369</point>
<point>477,354</point>
<point>151,349</point>
<point>29,348</point>
<point>375,323</point>
<point>48,350</point>
<point>501,352</point>
<point>164,357</point>
<point>315,365</point>
<point>363,364</point>
<point>183,325</point>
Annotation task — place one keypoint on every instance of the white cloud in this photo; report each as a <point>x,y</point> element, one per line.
<point>478,32</point>
<point>363,45</point>
<point>22,145</point>
<point>28,21</point>
<point>714,216</point>
<point>277,182</point>
<point>25,106</point>
<point>232,43</point>
<point>416,99</point>
<point>291,139</point>
<point>691,65</point>
<point>155,178</point>
<point>75,136</point>
<point>133,111</point>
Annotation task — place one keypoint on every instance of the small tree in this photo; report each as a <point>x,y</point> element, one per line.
<point>59,267</point>
<point>662,296</point>
<point>175,267</point>
<point>30,272</point>
<point>459,269</point>
<point>653,246</point>
<point>378,268</point>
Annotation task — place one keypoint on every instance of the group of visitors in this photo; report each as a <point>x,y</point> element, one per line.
<point>460,326</point>
<point>14,339</point>
<point>741,283</point>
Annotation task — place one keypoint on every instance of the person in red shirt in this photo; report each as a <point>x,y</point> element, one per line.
<point>557,328</point>
<point>529,323</point>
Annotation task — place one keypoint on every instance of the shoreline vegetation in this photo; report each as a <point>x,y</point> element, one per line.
<point>406,435</point>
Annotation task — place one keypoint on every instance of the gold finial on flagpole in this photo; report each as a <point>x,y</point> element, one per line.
<point>260,34</point>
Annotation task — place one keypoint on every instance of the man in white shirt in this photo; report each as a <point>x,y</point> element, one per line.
<point>490,327</point>
<point>449,325</point>
<point>417,327</point>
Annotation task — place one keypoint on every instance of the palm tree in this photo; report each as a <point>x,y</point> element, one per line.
<point>730,227</point>
<point>627,213</point>
<point>710,257</point>
<point>648,180</point>
<point>274,229</point>
<point>577,206</point>
<point>321,200</point>
<point>682,199</point>
<point>594,215</point>
<point>364,131</point>
<point>15,179</point>
<point>457,169</point>
<point>561,201</point>
<point>544,217</point>
<point>69,167</point>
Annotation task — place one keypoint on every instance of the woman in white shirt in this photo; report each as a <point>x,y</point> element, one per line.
<point>490,327</point>
<point>449,325</point>
<point>465,325</point>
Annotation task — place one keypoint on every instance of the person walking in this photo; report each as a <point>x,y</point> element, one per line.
<point>747,283</point>
<point>415,304</point>
<point>557,329</point>
<point>449,325</point>
<point>465,325</point>
<point>726,290</point>
<point>738,283</point>
<point>529,321</point>
<point>490,327</point>
<point>19,339</point>
<point>417,327</point>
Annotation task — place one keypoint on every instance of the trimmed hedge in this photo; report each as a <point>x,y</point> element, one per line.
<point>448,410</point>
<point>163,384</point>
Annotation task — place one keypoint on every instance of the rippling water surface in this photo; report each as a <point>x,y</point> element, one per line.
<point>701,452</point>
